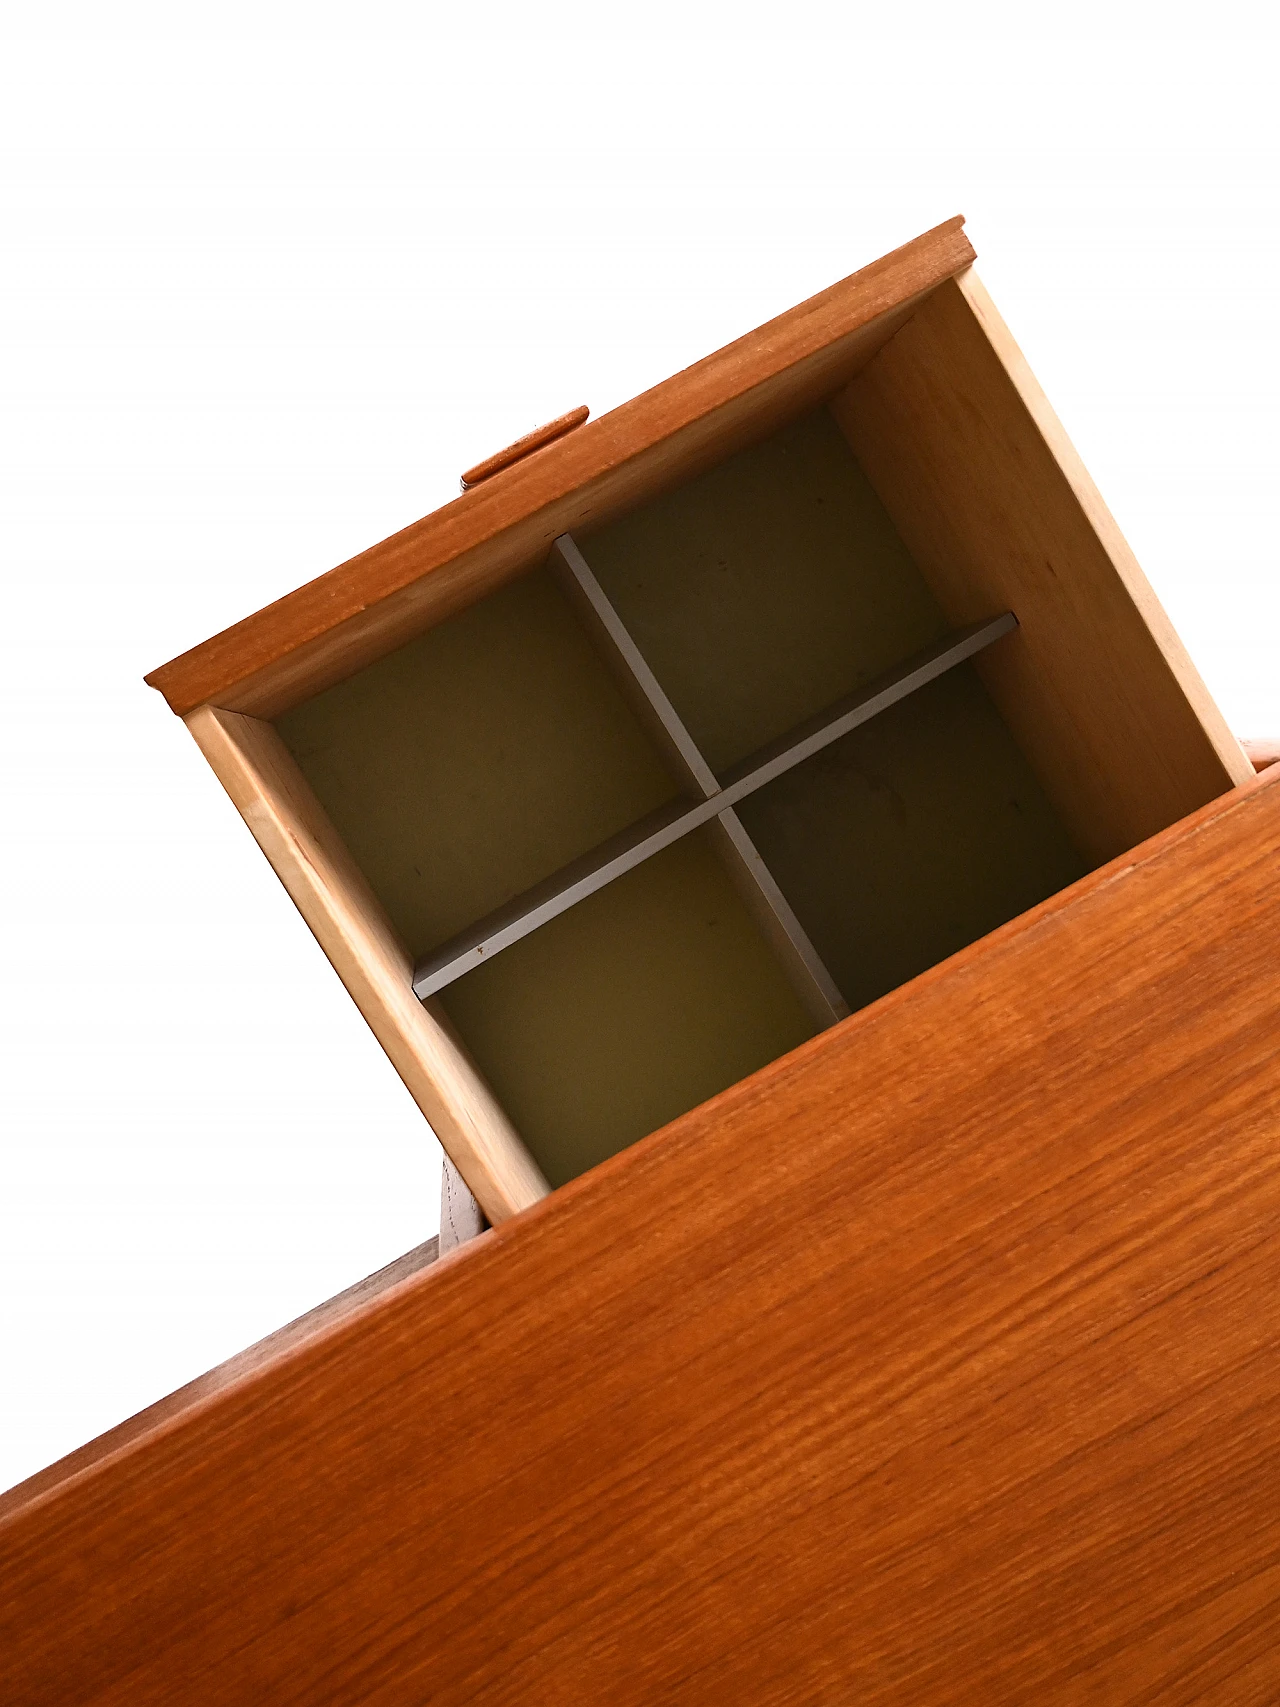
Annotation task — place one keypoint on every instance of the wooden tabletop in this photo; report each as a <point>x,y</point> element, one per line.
<point>934,1363</point>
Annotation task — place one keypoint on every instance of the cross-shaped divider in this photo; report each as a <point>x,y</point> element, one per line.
<point>751,876</point>
<point>709,800</point>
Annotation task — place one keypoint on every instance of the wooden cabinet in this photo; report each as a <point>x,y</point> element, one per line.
<point>689,731</point>
<point>930,1361</point>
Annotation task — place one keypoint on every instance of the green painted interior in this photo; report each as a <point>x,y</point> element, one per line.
<point>484,756</point>
<point>477,760</point>
<point>637,1004</point>
<point>764,590</point>
<point>911,837</point>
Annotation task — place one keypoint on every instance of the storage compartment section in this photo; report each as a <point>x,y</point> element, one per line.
<point>910,837</point>
<point>477,760</point>
<point>714,776</point>
<point>733,710</point>
<point>766,589</point>
<point>626,1010</point>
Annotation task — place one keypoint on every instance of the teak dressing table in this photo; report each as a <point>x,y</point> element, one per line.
<point>796,761</point>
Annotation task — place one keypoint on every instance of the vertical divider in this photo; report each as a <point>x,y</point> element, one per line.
<point>756,884</point>
<point>636,679</point>
<point>751,877</point>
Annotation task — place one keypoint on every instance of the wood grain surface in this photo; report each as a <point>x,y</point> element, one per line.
<point>334,625</point>
<point>934,1363</point>
<point>998,511</point>
<point>1263,751</point>
<point>350,924</point>
<point>525,446</point>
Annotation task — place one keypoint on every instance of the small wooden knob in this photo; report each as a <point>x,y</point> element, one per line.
<point>523,447</point>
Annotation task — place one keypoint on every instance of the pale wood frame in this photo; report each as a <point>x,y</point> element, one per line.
<point>329,890</point>
<point>998,510</point>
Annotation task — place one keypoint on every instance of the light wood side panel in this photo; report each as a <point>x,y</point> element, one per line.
<point>368,606</point>
<point>934,1364</point>
<point>997,509</point>
<point>290,826</point>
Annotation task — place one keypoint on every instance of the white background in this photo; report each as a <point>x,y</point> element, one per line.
<point>264,293</point>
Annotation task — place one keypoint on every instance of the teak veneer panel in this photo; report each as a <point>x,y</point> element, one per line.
<point>329,890</point>
<point>998,511</point>
<point>869,1381</point>
<point>334,625</point>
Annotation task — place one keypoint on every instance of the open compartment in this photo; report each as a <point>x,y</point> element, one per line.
<point>710,721</point>
<point>911,837</point>
<point>474,762</point>
<point>766,589</point>
<point>704,783</point>
<point>640,1002</point>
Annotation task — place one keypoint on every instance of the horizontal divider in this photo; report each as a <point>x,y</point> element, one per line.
<point>623,852</point>
<point>810,737</point>
<point>557,893</point>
